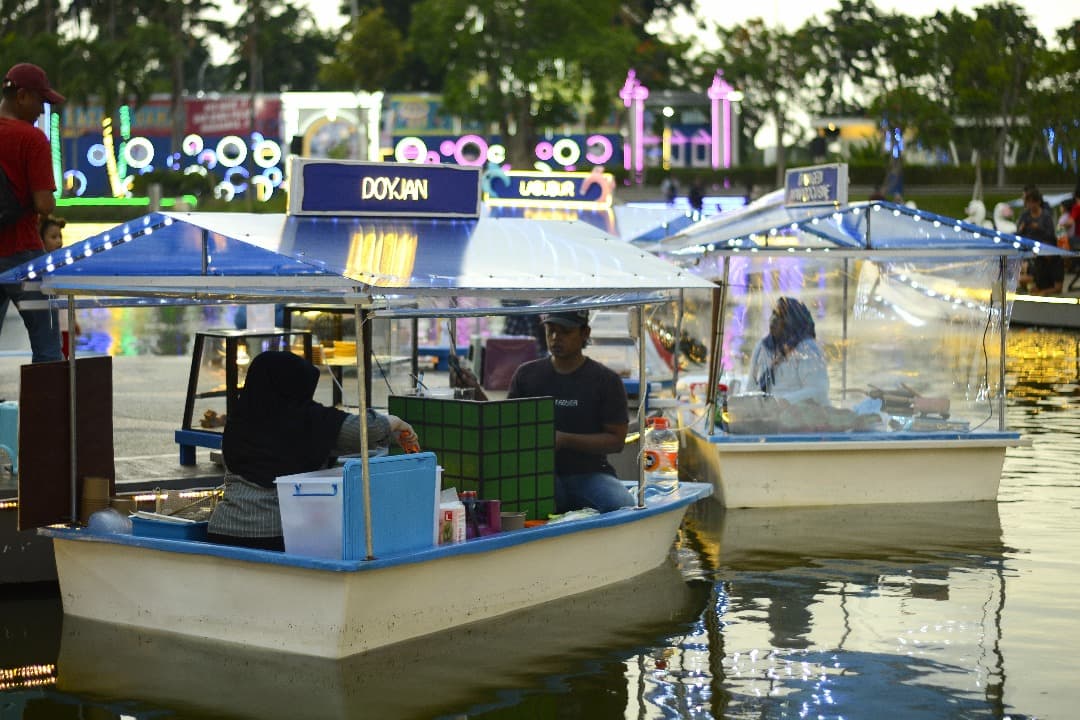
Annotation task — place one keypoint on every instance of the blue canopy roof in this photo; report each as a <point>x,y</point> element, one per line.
<point>879,228</point>
<point>376,262</point>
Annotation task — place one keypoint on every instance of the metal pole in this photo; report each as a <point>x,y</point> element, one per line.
<point>677,345</point>
<point>643,393</point>
<point>843,335</point>
<point>361,403</point>
<point>73,468</point>
<point>1002,272</point>
<point>717,346</point>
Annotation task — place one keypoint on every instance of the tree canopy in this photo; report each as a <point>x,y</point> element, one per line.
<point>982,84</point>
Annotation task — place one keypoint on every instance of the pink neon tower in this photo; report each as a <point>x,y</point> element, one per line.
<point>720,96</point>
<point>633,95</point>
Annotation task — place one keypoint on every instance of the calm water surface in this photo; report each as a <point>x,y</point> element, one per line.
<point>921,611</point>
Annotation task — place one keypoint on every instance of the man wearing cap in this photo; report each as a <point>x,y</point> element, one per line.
<point>26,159</point>
<point>591,416</point>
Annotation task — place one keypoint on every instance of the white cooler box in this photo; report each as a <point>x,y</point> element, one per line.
<point>322,512</point>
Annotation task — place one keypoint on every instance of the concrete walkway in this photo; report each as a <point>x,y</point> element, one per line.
<point>148,406</point>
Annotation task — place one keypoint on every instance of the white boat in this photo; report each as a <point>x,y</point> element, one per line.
<point>335,609</point>
<point>1049,311</point>
<point>911,311</point>
<point>763,472</point>
<point>381,267</point>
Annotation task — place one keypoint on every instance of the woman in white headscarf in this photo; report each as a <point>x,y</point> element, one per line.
<point>788,363</point>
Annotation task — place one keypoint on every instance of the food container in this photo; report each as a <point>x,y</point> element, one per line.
<point>512,520</point>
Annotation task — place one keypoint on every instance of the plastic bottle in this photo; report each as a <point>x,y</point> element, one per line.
<point>722,408</point>
<point>472,521</point>
<point>660,450</point>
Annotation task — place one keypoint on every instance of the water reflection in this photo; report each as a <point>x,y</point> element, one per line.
<point>922,611</point>
<point>485,665</point>
<point>827,611</point>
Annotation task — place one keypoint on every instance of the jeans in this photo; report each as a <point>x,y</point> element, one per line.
<point>598,490</point>
<point>42,326</point>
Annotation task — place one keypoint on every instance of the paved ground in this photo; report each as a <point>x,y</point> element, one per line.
<point>148,406</point>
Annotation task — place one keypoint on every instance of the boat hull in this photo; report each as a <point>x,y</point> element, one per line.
<point>336,609</point>
<point>1050,312</point>
<point>24,556</point>
<point>752,471</point>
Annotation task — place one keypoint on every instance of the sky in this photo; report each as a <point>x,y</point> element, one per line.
<point>1047,14</point>
<point>790,14</point>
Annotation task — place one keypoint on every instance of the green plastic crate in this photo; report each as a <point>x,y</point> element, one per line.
<point>503,449</point>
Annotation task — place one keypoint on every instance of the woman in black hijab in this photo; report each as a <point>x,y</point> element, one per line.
<point>788,363</point>
<point>276,428</point>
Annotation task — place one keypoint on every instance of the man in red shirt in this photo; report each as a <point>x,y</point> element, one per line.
<point>26,159</point>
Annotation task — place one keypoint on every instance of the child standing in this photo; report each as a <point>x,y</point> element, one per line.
<point>52,238</point>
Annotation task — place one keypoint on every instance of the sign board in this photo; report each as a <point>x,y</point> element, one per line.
<point>817,185</point>
<point>526,188</point>
<point>351,188</point>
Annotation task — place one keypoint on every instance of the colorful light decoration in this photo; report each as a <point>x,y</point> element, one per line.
<point>721,95</point>
<point>605,146</point>
<point>410,149</point>
<point>633,95</point>
<point>96,155</point>
<point>115,182</point>
<point>57,160</point>
<point>125,136</point>
<point>75,182</point>
<point>481,150</point>
<point>231,151</point>
<point>135,159</point>
<point>266,153</point>
<point>192,144</point>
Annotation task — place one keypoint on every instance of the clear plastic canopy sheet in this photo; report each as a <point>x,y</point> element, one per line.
<point>235,256</point>
<point>878,227</point>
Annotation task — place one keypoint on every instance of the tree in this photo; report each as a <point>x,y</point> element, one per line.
<point>994,75</point>
<point>183,49</point>
<point>288,34</point>
<point>368,54</point>
<point>769,66</point>
<point>848,47</point>
<point>500,66</point>
<point>1054,116</point>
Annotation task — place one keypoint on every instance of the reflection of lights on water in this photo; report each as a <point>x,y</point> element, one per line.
<point>27,676</point>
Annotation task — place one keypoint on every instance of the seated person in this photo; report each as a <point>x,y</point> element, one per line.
<point>275,429</point>
<point>1044,274</point>
<point>788,363</point>
<point>591,416</point>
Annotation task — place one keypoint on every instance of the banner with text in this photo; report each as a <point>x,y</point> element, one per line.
<point>817,185</point>
<point>339,187</point>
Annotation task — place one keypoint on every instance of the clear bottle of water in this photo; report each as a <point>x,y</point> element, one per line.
<point>660,452</point>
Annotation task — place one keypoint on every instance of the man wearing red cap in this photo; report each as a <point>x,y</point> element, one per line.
<point>26,159</point>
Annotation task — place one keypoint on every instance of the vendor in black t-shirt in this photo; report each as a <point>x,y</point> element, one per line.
<point>591,415</point>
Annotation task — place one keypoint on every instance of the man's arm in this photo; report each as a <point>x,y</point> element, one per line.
<point>40,176</point>
<point>43,201</point>
<point>610,439</point>
<point>463,377</point>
